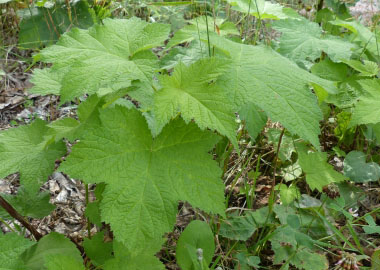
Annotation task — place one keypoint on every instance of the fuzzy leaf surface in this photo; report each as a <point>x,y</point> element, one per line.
<point>105,56</point>
<point>11,247</point>
<point>192,92</point>
<point>125,260</point>
<point>30,151</point>
<point>62,262</point>
<point>147,177</point>
<point>303,39</point>
<point>275,84</point>
<point>46,82</point>
<point>97,250</point>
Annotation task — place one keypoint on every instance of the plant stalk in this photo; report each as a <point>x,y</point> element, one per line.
<point>13,213</point>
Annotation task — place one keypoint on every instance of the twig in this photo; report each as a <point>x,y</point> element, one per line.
<point>16,215</point>
<point>11,211</point>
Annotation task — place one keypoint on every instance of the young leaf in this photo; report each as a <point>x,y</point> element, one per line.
<point>288,194</point>
<point>242,227</point>
<point>303,39</point>
<point>287,147</point>
<point>50,245</point>
<point>367,110</point>
<point>193,92</point>
<point>238,228</point>
<point>372,227</point>
<point>110,55</point>
<point>294,247</point>
<point>195,247</point>
<point>28,150</point>
<point>246,262</point>
<point>318,172</point>
<point>356,168</point>
<point>263,9</point>
<point>11,247</point>
<point>291,172</point>
<point>146,177</point>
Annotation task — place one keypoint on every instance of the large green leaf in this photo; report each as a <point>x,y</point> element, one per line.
<point>275,84</point>
<point>125,260</point>
<point>107,56</point>
<point>30,151</point>
<point>97,250</point>
<point>367,110</point>
<point>303,39</point>
<point>318,172</point>
<point>263,9</point>
<point>192,91</point>
<point>47,248</point>
<point>11,247</point>
<point>43,26</point>
<point>362,34</point>
<point>46,81</point>
<point>146,177</point>
<point>62,262</point>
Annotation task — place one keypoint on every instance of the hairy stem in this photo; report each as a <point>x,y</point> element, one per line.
<point>13,213</point>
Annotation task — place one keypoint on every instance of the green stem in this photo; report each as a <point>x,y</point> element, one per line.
<point>208,35</point>
<point>258,29</point>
